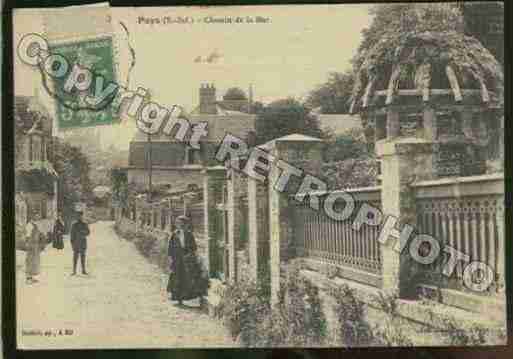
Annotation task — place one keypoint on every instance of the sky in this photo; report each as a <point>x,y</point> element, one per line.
<point>288,55</point>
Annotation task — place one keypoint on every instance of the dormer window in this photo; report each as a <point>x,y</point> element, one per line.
<point>37,148</point>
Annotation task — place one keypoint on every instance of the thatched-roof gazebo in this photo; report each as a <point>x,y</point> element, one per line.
<point>445,87</point>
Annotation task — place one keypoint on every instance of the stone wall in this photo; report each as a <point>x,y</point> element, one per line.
<point>416,318</point>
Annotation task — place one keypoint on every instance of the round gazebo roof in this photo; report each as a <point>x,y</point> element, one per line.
<point>426,64</point>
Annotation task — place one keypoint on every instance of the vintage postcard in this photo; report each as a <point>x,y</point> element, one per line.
<point>260,176</point>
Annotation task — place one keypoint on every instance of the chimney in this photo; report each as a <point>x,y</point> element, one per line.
<point>207,99</point>
<point>250,98</point>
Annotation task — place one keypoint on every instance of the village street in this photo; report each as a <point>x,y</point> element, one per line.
<point>122,303</point>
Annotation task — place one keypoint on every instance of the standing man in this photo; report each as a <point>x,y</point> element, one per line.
<point>79,233</point>
<point>34,248</point>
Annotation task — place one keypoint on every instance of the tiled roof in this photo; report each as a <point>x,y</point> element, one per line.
<point>291,138</point>
<point>231,122</point>
<point>24,106</point>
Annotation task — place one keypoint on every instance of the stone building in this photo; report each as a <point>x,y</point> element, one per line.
<point>36,179</point>
<point>175,163</point>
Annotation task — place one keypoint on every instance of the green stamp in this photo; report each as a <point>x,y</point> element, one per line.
<point>71,108</point>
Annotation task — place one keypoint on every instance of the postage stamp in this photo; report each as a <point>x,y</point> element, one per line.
<point>71,107</point>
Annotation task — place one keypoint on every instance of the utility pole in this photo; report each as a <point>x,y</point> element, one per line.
<point>250,98</point>
<point>150,168</point>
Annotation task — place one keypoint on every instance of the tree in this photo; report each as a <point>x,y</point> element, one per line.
<point>257,107</point>
<point>334,95</point>
<point>234,93</point>
<point>392,20</point>
<point>485,21</point>
<point>350,144</point>
<point>73,169</point>
<point>285,117</point>
<point>120,188</point>
<point>412,38</point>
<point>349,161</point>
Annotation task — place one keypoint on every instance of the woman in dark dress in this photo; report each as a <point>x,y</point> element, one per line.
<point>58,232</point>
<point>187,280</point>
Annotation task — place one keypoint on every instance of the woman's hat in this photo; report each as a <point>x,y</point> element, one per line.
<point>182,218</point>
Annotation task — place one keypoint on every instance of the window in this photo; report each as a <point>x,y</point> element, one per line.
<point>496,27</point>
<point>37,206</point>
<point>43,208</point>
<point>192,156</point>
<point>35,148</point>
<point>43,149</point>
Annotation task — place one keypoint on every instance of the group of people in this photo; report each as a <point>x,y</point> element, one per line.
<point>187,278</point>
<point>36,243</point>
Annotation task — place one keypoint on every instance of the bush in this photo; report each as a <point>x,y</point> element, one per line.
<point>145,244</point>
<point>123,232</point>
<point>317,324</point>
<point>391,333</point>
<point>457,334</point>
<point>243,306</point>
<point>353,328</point>
<point>387,303</point>
<point>296,320</point>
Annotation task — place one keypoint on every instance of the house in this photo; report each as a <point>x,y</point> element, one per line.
<point>177,165</point>
<point>36,179</point>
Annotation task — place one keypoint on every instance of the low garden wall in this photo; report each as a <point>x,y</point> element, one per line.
<point>316,310</point>
<point>415,322</point>
<point>152,242</point>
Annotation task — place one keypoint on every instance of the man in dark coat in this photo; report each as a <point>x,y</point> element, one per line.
<point>58,232</point>
<point>79,233</point>
<point>186,279</point>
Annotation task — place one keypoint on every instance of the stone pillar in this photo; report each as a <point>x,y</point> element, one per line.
<point>393,125</point>
<point>169,219</point>
<point>501,143</point>
<point>403,162</point>
<point>186,201</point>
<point>234,222</point>
<point>305,154</point>
<point>213,181</point>
<point>258,222</point>
<point>54,200</point>
<point>380,127</point>
<point>501,252</point>
<point>430,128</point>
